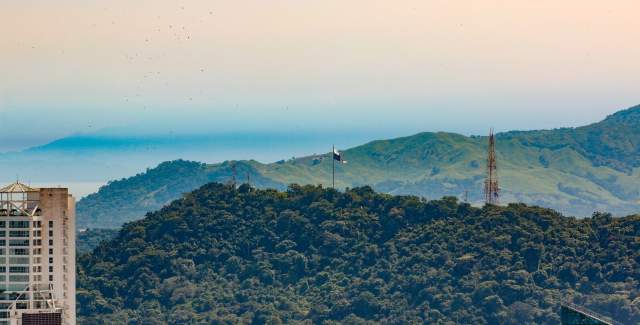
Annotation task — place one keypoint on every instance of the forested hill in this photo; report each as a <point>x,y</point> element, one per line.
<point>574,170</point>
<point>222,255</point>
<point>87,240</point>
<point>131,198</point>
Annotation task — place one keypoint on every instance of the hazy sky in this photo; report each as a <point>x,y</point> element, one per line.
<point>375,67</point>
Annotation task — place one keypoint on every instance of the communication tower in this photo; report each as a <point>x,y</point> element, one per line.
<point>491,188</point>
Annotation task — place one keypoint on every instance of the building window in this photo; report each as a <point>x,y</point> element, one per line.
<point>50,251</point>
<point>19,278</point>
<point>18,269</point>
<point>18,224</point>
<point>50,269</point>
<point>37,242</point>
<point>19,242</point>
<point>19,233</point>
<point>18,260</point>
<point>50,233</point>
<point>3,224</point>
<point>50,278</point>
<point>18,251</point>
<point>50,242</point>
<point>37,251</point>
<point>50,224</point>
<point>37,224</point>
<point>51,260</point>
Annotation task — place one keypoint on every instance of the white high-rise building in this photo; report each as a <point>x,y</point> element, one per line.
<point>37,256</point>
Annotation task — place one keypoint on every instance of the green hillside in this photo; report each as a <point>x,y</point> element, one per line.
<point>309,255</point>
<point>574,170</point>
<point>131,198</point>
<point>89,239</point>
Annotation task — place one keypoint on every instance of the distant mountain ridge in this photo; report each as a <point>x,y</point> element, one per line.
<point>574,170</point>
<point>613,142</point>
<point>113,153</point>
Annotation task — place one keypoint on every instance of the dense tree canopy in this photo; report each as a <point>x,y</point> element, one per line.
<point>309,255</point>
<point>87,240</point>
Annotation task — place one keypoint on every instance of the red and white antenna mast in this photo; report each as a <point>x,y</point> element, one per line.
<point>491,188</point>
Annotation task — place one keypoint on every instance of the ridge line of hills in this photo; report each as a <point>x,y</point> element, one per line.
<point>576,171</point>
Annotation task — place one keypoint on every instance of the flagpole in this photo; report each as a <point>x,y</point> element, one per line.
<point>333,167</point>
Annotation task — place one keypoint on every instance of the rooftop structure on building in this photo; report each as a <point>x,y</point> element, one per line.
<point>37,256</point>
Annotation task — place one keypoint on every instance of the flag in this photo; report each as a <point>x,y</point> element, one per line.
<point>338,156</point>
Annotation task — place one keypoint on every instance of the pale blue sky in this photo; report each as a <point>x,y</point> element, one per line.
<point>371,68</point>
